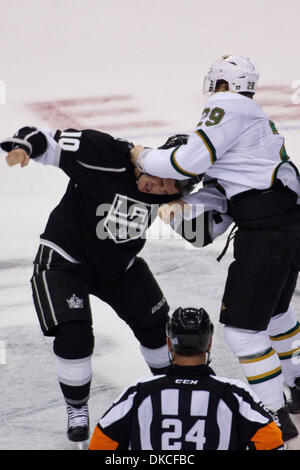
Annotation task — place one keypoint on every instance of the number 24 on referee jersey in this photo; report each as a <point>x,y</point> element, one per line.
<point>195,434</point>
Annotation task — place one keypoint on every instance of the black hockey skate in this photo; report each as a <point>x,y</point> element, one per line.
<point>78,423</point>
<point>293,403</point>
<point>283,420</point>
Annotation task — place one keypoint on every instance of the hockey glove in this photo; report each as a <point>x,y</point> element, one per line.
<point>174,141</point>
<point>30,139</point>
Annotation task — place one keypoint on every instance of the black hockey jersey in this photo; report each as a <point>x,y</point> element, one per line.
<point>102,218</point>
<point>189,408</point>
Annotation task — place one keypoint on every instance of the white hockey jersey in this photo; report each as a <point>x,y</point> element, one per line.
<point>235,143</point>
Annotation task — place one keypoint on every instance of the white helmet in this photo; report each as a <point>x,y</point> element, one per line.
<point>238,71</point>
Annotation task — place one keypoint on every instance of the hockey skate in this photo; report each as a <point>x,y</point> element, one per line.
<point>78,424</point>
<point>284,422</point>
<point>293,403</point>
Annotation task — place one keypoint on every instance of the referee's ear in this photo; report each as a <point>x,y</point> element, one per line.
<point>169,344</point>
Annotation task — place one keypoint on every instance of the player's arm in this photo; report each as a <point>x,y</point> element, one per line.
<point>202,230</point>
<point>31,143</point>
<point>200,217</point>
<point>181,162</point>
<point>215,134</point>
<point>73,151</point>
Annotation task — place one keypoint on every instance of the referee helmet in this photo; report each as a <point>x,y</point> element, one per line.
<point>190,331</point>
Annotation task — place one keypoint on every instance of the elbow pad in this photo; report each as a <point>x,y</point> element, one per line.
<point>30,139</point>
<point>203,229</point>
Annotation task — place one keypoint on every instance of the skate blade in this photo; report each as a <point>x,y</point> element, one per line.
<point>84,445</point>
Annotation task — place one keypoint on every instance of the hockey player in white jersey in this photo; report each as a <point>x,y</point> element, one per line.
<point>242,155</point>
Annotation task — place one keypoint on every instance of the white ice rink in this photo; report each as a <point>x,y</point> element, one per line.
<point>133,68</point>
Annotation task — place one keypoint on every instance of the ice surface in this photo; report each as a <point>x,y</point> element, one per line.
<point>135,69</point>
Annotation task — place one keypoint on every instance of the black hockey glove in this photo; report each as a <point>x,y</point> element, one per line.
<point>174,141</point>
<point>29,139</point>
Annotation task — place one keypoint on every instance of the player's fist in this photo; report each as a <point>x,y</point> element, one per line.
<point>168,211</point>
<point>17,156</point>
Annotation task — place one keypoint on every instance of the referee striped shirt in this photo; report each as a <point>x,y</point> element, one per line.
<point>189,408</point>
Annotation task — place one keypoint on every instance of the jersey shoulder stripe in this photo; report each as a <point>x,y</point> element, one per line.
<point>101,168</point>
<point>176,166</point>
<point>208,144</point>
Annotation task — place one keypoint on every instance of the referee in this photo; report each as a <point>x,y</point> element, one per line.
<point>189,408</point>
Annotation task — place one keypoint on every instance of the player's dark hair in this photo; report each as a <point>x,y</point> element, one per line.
<point>223,82</point>
<point>187,186</point>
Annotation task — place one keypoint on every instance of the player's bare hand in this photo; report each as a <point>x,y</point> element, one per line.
<point>168,211</point>
<point>17,156</point>
<point>134,153</point>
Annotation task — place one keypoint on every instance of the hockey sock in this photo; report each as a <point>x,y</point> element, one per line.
<point>284,331</point>
<point>157,359</point>
<point>73,347</point>
<point>74,376</point>
<point>259,362</point>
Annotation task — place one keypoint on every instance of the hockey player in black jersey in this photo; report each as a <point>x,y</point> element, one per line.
<point>189,407</point>
<point>90,246</point>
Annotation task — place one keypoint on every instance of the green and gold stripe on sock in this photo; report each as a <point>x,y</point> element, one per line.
<point>256,379</point>
<point>208,144</point>
<point>175,165</point>
<point>257,357</point>
<point>288,355</point>
<point>288,334</point>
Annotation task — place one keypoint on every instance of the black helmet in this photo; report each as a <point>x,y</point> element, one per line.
<point>190,330</point>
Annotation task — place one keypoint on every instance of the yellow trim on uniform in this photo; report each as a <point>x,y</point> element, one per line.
<point>178,167</point>
<point>287,355</point>
<point>256,359</point>
<point>211,155</point>
<point>270,373</point>
<point>286,336</point>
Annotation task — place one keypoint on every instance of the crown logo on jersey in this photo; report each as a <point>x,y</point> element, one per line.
<point>75,302</point>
